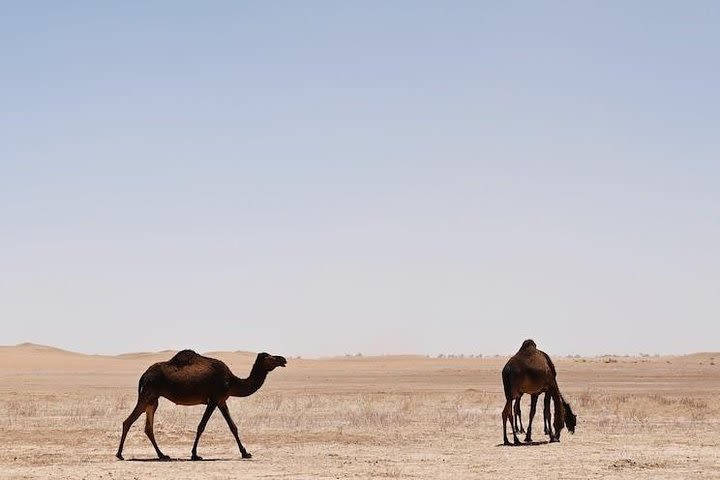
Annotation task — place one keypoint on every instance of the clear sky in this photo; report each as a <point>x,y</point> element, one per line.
<point>317,178</point>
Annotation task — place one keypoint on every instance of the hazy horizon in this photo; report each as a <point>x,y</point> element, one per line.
<point>324,179</point>
<point>436,355</point>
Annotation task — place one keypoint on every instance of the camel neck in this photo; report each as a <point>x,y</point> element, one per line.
<point>242,387</point>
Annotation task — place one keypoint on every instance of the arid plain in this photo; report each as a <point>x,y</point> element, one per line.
<point>375,417</point>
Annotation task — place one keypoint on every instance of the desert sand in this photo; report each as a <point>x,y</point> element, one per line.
<point>375,417</point>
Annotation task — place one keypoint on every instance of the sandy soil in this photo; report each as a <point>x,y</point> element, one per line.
<point>386,417</point>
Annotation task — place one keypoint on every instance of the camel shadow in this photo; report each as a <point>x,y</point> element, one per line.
<point>524,444</point>
<point>160,460</point>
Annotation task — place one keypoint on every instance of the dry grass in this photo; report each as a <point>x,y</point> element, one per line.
<point>351,414</point>
<point>372,418</point>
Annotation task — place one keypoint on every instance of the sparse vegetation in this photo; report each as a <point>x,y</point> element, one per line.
<point>414,418</point>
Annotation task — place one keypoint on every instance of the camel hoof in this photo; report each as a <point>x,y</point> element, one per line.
<point>517,442</point>
<point>554,440</point>
<point>119,456</point>
<point>528,440</point>
<point>164,457</point>
<point>506,442</point>
<point>246,455</point>
<point>196,458</point>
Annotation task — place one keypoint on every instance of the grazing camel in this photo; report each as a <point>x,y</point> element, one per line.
<point>191,379</point>
<point>531,371</point>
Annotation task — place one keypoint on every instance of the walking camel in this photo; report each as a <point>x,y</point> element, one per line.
<point>192,379</point>
<point>532,371</point>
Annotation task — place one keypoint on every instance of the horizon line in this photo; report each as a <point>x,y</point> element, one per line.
<point>449,356</point>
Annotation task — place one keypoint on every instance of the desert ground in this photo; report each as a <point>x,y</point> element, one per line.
<point>361,417</point>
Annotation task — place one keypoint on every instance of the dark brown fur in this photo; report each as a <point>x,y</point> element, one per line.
<point>192,379</point>
<point>531,371</point>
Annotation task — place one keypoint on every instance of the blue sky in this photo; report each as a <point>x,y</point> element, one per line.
<point>316,178</point>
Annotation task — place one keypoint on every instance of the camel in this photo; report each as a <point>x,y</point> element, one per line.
<point>191,379</point>
<point>531,371</point>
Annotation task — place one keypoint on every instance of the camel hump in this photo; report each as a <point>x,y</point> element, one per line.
<point>183,358</point>
<point>529,343</point>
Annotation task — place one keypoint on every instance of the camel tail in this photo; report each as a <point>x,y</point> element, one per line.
<point>506,382</point>
<point>141,383</point>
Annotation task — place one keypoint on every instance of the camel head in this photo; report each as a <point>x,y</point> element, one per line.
<point>270,362</point>
<point>570,417</point>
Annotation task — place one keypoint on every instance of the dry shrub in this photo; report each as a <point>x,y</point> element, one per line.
<point>645,411</point>
<point>663,400</point>
<point>585,399</point>
<point>371,410</point>
<point>22,408</point>
<point>693,403</point>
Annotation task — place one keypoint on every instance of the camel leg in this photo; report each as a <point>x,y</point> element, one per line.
<point>518,416</point>
<point>559,417</point>
<point>134,415</point>
<point>533,405</point>
<point>507,415</point>
<point>201,428</point>
<point>149,419</point>
<point>547,415</point>
<point>233,428</point>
